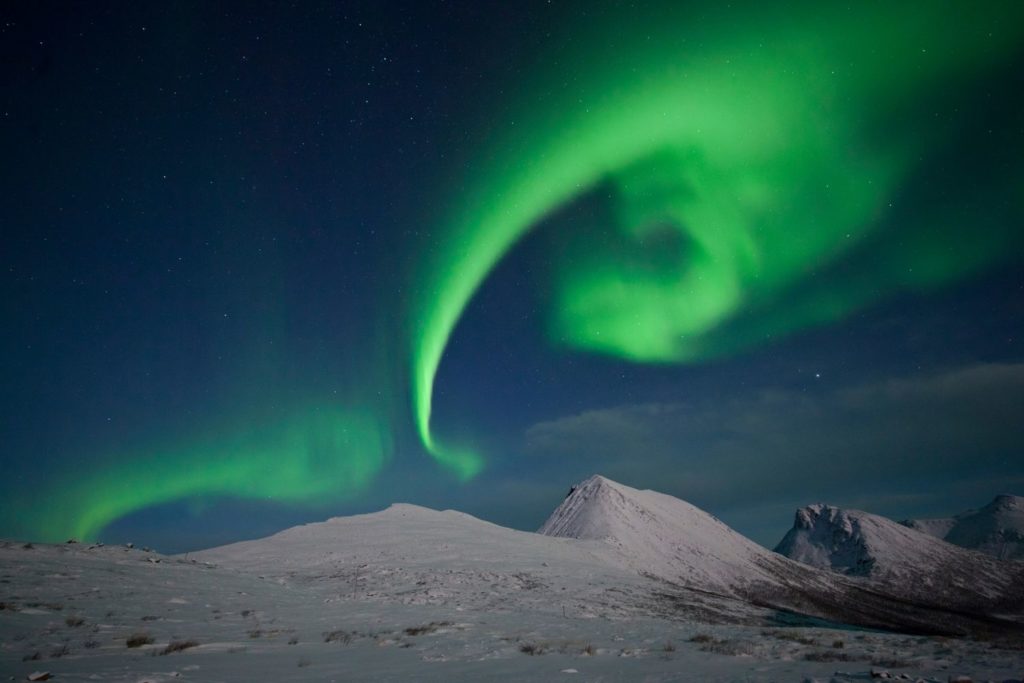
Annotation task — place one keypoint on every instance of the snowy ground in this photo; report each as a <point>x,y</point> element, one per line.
<point>71,610</point>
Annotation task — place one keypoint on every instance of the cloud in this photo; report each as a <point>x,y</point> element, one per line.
<point>916,444</point>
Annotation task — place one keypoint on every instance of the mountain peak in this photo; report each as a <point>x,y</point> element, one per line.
<point>997,529</point>
<point>585,513</point>
<point>661,535</point>
<point>1006,502</point>
<point>830,538</point>
<point>813,515</point>
<point>594,482</point>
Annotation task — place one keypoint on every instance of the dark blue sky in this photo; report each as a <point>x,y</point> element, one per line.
<point>214,218</point>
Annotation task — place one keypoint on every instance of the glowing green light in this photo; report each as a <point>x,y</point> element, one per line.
<point>320,456</point>
<point>753,153</point>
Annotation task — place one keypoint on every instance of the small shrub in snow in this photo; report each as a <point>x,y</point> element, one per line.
<point>838,644</point>
<point>701,638</point>
<point>426,628</point>
<point>890,662</point>
<point>827,656</point>
<point>343,637</point>
<point>74,620</point>
<point>531,649</point>
<point>792,636</point>
<point>139,639</point>
<point>729,647</point>
<point>178,646</point>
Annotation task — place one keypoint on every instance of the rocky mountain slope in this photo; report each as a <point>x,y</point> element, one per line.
<point>906,561</point>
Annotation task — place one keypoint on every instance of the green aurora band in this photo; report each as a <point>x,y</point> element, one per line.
<point>318,456</point>
<point>750,166</point>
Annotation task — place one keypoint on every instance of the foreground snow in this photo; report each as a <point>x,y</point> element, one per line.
<point>77,607</point>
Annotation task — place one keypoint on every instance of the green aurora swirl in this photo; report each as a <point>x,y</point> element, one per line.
<point>741,159</point>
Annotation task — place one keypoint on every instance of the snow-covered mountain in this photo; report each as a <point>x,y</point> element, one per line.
<point>997,529</point>
<point>674,541</point>
<point>414,555</point>
<point>853,542</point>
<point>663,536</point>
<point>911,563</point>
<point>607,551</point>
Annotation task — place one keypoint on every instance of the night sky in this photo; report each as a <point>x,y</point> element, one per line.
<point>265,263</point>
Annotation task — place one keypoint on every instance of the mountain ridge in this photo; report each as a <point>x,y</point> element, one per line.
<point>996,529</point>
<point>607,550</point>
<point>861,544</point>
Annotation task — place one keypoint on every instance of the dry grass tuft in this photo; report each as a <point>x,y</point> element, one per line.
<point>728,647</point>
<point>828,656</point>
<point>791,636</point>
<point>890,662</point>
<point>343,637</point>
<point>426,628</point>
<point>139,639</point>
<point>178,646</point>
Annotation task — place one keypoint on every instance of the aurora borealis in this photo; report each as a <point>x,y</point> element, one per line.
<point>735,154</point>
<point>256,239</point>
<point>319,455</point>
